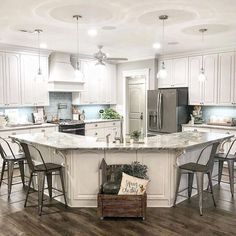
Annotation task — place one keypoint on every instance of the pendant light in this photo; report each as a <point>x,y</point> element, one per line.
<point>39,73</point>
<point>78,73</point>
<point>202,75</point>
<point>162,73</point>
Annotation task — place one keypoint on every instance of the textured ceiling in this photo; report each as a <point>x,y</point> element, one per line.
<point>136,24</point>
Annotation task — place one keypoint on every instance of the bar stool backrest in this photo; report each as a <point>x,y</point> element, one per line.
<point>3,152</point>
<point>232,144</point>
<point>28,157</point>
<point>210,161</point>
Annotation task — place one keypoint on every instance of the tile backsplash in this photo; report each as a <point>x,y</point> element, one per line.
<point>56,98</point>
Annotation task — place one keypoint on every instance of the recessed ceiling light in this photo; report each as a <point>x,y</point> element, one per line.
<point>92,32</point>
<point>43,45</point>
<point>173,43</point>
<point>156,45</point>
<point>108,27</point>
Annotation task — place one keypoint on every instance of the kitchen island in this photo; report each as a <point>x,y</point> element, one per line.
<point>81,156</point>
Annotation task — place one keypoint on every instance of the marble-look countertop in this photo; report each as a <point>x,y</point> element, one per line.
<point>88,121</point>
<point>28,126</point>
<point>210,126</point>
<point>175,141</point>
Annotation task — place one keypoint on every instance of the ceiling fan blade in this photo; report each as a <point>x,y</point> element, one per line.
<point>117,59</point>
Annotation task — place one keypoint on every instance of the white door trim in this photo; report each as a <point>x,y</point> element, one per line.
<point>132,73</point>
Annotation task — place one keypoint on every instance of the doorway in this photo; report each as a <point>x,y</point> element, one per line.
<point>135,91</point>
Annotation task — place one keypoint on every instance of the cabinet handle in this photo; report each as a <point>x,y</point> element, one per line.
<point>43,130</point>
<point>96,134</point>
<point>114,123</point>
<point>227,132</point>
<point>96,125</point>
<point>13,133</point>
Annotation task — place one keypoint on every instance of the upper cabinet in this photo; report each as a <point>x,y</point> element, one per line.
<point>34,89</point>
<point>18,83</point>
<point>100,84</point>
<point>12,80</point>
<point>226,79</point>
<point>203,93</point>
<point>177,73</point>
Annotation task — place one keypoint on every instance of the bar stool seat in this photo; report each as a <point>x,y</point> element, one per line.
<point>10,161</point>
<point>194,167</point>
<point>198,169</point>
<point>49,167</point>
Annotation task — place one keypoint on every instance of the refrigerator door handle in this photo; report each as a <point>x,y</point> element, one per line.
<point>160,110</point>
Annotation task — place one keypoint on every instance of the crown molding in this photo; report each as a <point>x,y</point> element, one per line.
<point>23,50</point>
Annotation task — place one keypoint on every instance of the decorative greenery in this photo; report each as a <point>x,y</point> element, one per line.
<point>135,134</point>
<point>136,169</point>
<point>110,113</point>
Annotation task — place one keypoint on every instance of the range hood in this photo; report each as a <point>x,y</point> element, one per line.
<point>62,77</point>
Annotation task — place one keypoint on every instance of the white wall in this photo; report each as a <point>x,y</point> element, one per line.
<point>135,65</point>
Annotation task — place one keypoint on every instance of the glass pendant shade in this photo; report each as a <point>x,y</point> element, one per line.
<point>202,76</point>
<point>162,73</point>
<point>39,75</point>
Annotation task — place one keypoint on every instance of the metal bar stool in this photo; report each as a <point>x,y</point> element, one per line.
<point>200,170</point>
<point>41,171</point>
<point>10,161</point>
<point>230,159</point>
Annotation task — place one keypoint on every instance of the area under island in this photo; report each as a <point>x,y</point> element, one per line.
<point>81,157</point>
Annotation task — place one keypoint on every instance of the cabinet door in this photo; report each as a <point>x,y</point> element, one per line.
<point>13,79</point>
<point>226,78</point>
<point>34,90</point>
<point>180,72</point>
<point>83,97</point>
<point>166,82</point>
<point>42,94</point>
<point>2,80</point>
<point>195,87</point>
<point>210,85</point>
<point>110,86</point>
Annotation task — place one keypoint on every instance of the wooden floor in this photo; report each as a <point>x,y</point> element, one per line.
<point>56,220</point>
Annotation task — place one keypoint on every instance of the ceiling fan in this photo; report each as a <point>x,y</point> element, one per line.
<point>102,57</point>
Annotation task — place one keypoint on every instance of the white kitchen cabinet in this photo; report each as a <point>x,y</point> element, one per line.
<point>195,87</point>
<point>209,96</point>
<point>226,78</point>
<point>2,80</point>
<point>203,93</point>
<point>13,80</point>
<point>100,84</point>
<point>177,73</point>
<point>34,90</point>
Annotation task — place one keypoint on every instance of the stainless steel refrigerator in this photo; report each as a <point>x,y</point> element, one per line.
<point>167,110</point>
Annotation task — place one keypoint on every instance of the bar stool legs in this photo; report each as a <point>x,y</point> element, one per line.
<point>63,186</point>
<point>10,169</point>
<point>200,176</point>
<point>231,176</point>
<point>2,173</point>
<point>22,172</point>
<point>190,184</point>
<point>178,178</point>
<point>211,188</point>
<point>49,181</point>
<point>220,170</point>
<point>41,180</point>
<point>27,194</point>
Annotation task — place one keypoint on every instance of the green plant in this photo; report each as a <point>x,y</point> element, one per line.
<point>135,134</point>
<point>110,113</point>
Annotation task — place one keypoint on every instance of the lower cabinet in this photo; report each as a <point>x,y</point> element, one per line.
<point>102,129</point>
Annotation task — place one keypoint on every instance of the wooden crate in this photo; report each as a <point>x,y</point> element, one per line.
<point>122,205</point>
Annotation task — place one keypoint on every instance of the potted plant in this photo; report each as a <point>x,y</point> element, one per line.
<point>135,135</point>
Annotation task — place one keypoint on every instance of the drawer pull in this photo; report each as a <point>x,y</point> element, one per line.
<point>96,134</point>
<point>96,125</point>
<point>13,133</point>
<point>43,130</point>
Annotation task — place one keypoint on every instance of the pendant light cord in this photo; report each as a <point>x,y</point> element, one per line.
<point>163,37</point>
<point>39,52</point>
<point>77,45</point>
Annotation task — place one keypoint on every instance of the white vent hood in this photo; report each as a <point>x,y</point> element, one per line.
<point>62,77</point>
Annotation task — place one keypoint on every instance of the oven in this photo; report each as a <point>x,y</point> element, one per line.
<point>78,129</point>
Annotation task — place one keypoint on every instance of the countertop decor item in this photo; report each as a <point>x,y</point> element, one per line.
<point>110,113</point>
<point>136,135</point>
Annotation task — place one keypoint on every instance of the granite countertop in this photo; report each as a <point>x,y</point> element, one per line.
<point>175,141</point>
<point>88,121</point>
<point>27,126</point>
<point>210,126</point>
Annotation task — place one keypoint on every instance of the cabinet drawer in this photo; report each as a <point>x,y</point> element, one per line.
<point>112,124</point>
<point>44,130</point>
<point>6,134</point>
<point>94,125</point>
<point>99,133</point>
